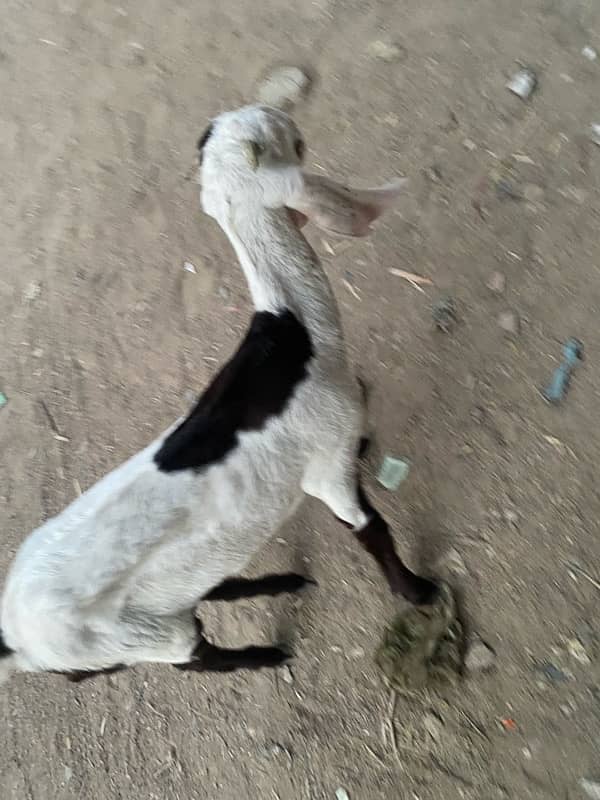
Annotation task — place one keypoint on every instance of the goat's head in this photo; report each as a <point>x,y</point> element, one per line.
<point>254,156</point>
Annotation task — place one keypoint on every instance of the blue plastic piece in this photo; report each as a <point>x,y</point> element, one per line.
<point>557,388</point>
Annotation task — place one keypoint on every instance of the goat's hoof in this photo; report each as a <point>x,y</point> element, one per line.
<point>423,592</point>
<point>363,446</point>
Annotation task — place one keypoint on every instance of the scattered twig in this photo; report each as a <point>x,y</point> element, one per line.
<point>52,422</point>
<point>580,571</point>
<point>417,281</point>
<point>374,754</point>
<point>351,289</point>
<point>475,725</point>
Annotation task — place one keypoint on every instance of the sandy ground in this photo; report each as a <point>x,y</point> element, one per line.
<point>100,109</point>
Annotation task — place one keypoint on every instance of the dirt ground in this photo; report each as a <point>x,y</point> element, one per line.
<point>105,337</point>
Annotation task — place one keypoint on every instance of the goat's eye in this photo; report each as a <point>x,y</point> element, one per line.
<point>299,148</point>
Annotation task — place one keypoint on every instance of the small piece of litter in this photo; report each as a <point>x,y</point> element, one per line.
<point>3,399</point>
<point>589,53</point>
<point>479,656</point>
<point>508,724</point>
<point>509,322</point>
<point>284,87</point>
<point>523,83</point>
<point>189,267</point>
<point>393,472</point>
<point>596,133</point>
<point>556,390</point>
<point>341,794</point>
<point>591,788</point>
<point>386,51</point>
<point>416,280</point>
<point>496,282</point>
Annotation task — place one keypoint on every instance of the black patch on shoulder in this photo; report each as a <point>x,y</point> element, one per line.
<point>254,385</point>
<point>4,649</point>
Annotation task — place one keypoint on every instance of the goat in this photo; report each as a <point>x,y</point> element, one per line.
<point>114,579</point>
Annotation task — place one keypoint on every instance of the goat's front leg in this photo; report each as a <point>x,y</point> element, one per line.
<point>347,500</point>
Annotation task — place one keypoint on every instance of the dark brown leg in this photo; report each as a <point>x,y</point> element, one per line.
<point>376,539</point>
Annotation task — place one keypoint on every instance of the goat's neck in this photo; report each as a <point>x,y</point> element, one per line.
<point>283,271</point>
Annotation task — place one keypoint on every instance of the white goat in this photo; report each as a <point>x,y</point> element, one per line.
<point>114,579</point>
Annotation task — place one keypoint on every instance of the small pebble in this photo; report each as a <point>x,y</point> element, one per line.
<point>469,145</point>
<point>284,87</point>
<point>387,51</point>
<point>510,323</point>
<point>189,267</point>
<point>596,133</point>
<point>496,282</point>
<point>479,656</point>
<point>589,53</point>
<point>591,788</point>
<point>32,291</point>
<point>523,83</point>
<point>286,674</point>
<point>357,653</point>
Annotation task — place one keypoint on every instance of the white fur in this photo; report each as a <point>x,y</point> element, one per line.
<point>115,577</point>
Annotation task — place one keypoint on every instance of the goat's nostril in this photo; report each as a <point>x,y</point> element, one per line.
<point>300,148</point>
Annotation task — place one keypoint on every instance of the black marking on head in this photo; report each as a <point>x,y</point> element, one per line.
<point>4,648</point>
<point>204,139</point>
<point>257,383</point>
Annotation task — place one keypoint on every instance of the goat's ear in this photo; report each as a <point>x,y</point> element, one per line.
<point>336,208</point>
